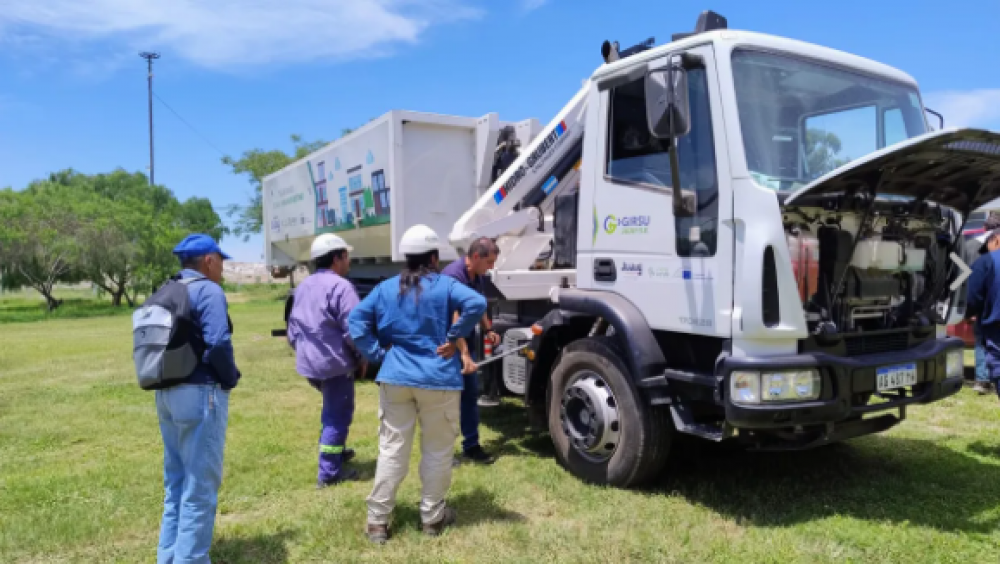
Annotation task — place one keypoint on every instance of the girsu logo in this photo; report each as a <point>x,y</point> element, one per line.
<point>626,225</point>
<point>610,224</point>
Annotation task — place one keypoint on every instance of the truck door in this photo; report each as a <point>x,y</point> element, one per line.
<point>677,271</point>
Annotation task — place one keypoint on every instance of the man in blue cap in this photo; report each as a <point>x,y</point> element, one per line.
<point>193,415</point>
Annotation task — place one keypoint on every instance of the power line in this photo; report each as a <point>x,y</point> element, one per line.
<point>193,128</point>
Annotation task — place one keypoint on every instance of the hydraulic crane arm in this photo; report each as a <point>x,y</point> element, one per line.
<point>523,194</point>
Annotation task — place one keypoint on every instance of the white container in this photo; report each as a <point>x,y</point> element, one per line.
<point>396,171</point>
<point>878,255</point>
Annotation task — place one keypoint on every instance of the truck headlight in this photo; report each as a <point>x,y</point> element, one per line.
<point>956,364</point>
<point>746,387</point>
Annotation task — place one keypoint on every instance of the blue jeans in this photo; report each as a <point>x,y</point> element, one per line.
<point>469,418</point>
<point>338,411</point>
<point>982,371</point>
<point>193,419</point>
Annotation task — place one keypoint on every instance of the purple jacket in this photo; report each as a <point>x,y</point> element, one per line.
<point>317,326</point>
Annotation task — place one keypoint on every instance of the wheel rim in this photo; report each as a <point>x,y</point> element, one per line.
<point>589,416</point>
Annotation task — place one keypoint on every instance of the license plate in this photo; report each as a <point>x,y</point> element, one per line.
<point>892,377</point>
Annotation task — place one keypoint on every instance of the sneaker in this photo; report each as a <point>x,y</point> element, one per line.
<point>981,388</point>
<point>478,455</point>
<point>346,475</point>
<point>378,534</point>
<point>348,454</point>
<point>448,518</point>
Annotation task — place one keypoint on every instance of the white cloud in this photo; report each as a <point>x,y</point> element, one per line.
<point>223,34</point>
<point>975,108</point>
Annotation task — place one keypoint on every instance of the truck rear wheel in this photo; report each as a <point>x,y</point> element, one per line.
<point>603,431</point>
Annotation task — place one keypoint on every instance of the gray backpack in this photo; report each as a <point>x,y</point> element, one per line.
<point>166,344</point>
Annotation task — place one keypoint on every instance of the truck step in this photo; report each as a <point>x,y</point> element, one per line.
<point>684,423</point>
<point>697,378</point>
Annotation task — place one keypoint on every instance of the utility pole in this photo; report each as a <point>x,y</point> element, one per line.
<point>149,56</point>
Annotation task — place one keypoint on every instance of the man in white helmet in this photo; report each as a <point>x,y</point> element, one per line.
<point>405,323</point>
<point>324,352</point>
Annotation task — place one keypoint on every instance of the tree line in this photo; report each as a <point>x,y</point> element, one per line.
<point>114,230</point>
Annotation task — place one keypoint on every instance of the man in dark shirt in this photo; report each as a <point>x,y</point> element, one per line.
<point>983,302</point>
<point>975,247</point>
<point>470,270</point>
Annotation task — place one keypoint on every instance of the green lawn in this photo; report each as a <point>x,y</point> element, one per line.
<point>28,305</point>
<point>80,477</point>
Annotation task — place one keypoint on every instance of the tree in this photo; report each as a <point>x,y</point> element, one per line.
<point>111,241</point>
<point>258,163</point>
<point>123,229</point>
<point>38,242</point>
<point>822,148</point>
<point>142,223</point>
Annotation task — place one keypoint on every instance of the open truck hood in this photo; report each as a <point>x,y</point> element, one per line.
<point>959,168</point>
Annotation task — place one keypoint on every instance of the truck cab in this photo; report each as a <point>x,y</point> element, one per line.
<point>762,247</point>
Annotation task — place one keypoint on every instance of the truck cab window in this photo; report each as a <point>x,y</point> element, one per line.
<point>836,138</point>
<point>893,126</point>
<point>802,119</point>
<point>635,156</point>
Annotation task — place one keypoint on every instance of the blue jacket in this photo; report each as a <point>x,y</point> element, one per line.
<point>413,330</point>
<point>983,303</point>
<point>210,313</point>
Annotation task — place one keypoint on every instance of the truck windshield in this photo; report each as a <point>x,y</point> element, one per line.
<point>801,120</point>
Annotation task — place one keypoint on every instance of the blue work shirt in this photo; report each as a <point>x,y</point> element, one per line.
<point>983,303</point>
<point>210,313</point>
<point>413,330</point>
<point>317,326</point>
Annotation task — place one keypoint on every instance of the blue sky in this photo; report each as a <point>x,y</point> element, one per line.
<point>248,73</point>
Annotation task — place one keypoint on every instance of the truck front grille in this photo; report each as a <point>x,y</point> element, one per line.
<point>858,345</point>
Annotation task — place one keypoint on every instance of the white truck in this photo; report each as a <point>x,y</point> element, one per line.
<point>734,236</point>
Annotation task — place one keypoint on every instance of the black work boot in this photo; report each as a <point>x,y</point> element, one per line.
<point>478,455</point>
<point>346,475</point>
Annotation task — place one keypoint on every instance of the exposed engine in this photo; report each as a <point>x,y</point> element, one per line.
<point>867,267</point>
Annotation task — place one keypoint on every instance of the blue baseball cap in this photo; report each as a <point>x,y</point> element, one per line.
<point>198,245</point>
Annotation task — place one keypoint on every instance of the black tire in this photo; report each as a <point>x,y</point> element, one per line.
<point>646,433</point>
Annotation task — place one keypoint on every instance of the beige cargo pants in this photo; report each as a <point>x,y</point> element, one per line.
<point>399,410</point>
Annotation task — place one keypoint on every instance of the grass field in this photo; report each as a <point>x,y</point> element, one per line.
<point>80,477</point>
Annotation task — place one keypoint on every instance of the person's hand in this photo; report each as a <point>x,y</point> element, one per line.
<point>362,370</point>
<point>468,366</point>
<point>494,337</point>
<point>447,350</point>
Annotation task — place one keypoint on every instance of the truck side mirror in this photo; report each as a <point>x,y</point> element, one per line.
<point>668,116</point>
<point>668,111</point>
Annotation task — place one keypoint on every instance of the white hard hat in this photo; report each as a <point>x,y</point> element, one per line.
<point>418,240</point>
<point>327,243</point>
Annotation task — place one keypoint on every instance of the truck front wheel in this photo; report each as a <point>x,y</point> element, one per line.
<point>603,431</point>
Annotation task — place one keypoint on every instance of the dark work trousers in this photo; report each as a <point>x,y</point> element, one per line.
<point>469,417</point>
<point>338,411</point>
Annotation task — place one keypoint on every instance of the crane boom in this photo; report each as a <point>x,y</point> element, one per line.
<point>523,194</point>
